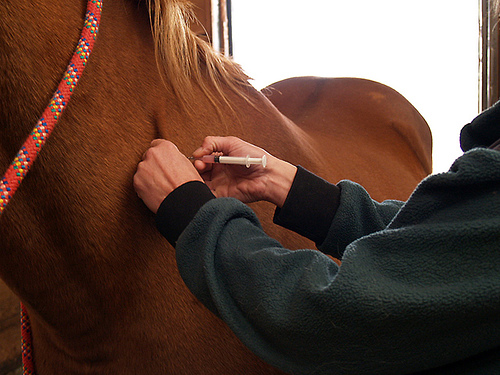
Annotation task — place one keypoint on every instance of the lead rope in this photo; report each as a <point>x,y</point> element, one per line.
<point>35,141</point>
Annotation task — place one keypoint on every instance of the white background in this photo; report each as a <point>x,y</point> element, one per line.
<point>426,49</point>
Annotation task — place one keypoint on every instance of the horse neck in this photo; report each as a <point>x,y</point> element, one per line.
<point>71,235</point>
<point>36,45</point>
<point>43,223</point>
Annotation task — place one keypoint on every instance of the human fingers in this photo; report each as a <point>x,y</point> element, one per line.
<point>203,168</point>
<point>214,144</point>
<point>228,146</point>
<point>210,145</point>
<point>155,143</point>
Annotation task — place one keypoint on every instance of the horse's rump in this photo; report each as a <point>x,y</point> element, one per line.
<point>379,138</point>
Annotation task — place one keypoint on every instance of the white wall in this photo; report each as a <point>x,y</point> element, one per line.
<point>426,49</point>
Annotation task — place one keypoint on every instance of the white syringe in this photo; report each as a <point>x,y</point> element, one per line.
<point>239,160</point>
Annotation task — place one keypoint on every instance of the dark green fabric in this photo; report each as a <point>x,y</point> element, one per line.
<point>483,131</point>
<point>418,291</point>
<point>418,287</point>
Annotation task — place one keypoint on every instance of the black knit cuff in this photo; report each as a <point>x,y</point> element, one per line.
<point>180,207</point>
<point>310,206</point>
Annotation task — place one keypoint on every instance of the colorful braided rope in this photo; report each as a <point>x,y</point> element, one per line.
<point>37,138</point>
<point>30,149</point>
<point>26,343</point>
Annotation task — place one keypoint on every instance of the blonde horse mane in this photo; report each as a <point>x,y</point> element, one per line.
<point>185,59</point>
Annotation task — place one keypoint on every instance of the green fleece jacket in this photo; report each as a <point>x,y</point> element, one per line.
<point>419,285</point>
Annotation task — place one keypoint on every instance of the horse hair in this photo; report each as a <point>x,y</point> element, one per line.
<point>194,59</point>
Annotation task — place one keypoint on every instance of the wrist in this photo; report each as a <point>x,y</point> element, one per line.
<point>310,206</point>
<point>281,176</point>
<point>180,207</point>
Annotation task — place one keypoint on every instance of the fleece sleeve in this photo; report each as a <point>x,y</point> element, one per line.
<point>312,204</point>
<point>421,293</point>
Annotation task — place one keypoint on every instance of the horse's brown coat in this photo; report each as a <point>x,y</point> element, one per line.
<point>77,245</point>
<point>365,122</point>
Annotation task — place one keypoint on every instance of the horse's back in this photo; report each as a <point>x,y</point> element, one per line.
<point>379,138</point>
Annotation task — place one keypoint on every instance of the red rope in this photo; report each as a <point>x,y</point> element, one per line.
<point>38,137</point>
<point>27,343</point>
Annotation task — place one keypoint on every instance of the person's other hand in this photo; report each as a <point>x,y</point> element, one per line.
<point>162,169</point>
<point>271,183</point>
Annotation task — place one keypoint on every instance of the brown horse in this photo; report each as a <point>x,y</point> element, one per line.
<point>77,245</point>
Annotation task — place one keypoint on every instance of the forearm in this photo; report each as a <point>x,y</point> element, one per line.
<point>299,311</point>
<point>332,215</point>
<point>310,209</point>
<point>310,206</point>
<point>391,307</point>
<point>260,303</point>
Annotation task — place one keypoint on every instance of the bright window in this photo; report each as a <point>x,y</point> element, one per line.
<point>427,50</point>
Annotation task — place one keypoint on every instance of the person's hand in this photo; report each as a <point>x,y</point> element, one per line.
<point>271,183</point>
<point>162,170</point>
